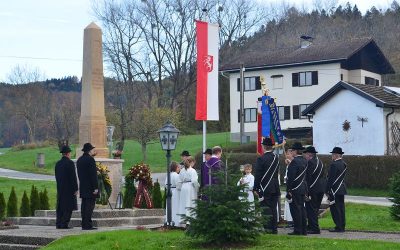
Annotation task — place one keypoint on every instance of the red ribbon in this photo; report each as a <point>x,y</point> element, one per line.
<point>141,193</point>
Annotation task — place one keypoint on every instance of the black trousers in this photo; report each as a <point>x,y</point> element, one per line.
<point>87,208</point>
<point>269,207</point>
<point>312,209</point>
<point>299,214</point>
<point>338,213</point>
<point>63,216</point>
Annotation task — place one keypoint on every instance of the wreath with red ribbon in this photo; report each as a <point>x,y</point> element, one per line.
<point>141,172</point>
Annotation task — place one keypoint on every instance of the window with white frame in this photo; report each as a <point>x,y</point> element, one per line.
<point>250,115</point>
<point>303,107</point>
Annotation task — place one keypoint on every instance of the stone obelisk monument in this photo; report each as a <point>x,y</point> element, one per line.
<point>92,123</point>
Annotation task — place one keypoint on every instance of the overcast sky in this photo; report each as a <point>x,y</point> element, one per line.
<point>47,34</point>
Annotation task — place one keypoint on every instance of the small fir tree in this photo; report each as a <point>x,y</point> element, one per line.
<point>44,200</point>
<point>156,195</point>
<point>226,206</point>
<point>34,200</point>
<point>2,206</point>
<point>130,192</point>
<point>395,194</point>
<point>12,204</point>
<point>25,210</point>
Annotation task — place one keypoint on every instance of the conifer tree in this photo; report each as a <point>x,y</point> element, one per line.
<point>34,200</point>
<point>44,200</point>
<point>130,192</point>
<point>156,195</point>
<point>2,206</point>
<point>395,194</point>
<point>25,210</point>
<point>12,204</point>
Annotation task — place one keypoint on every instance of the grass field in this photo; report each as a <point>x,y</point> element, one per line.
<point>24,160</point>
<point>135,239</point>
<point>364,217</point>
<point>368,192</point>
<point>21,185</point>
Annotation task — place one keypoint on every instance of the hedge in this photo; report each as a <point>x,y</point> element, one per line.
<point>363,171</point>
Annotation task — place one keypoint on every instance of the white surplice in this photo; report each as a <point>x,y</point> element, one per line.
<point>175,218</point>
<point>189,189</point>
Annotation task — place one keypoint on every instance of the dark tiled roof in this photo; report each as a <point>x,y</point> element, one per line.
<point>381,96</point>
<point>335,51</point>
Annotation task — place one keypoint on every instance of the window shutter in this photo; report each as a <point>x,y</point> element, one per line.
<point>314,78</point>
<point>296,112</point>
<point>295,79</point>
<point>239,115</point>
<point>286,113</point>
<point>238,84</point>
<point>258,83</point>
<point>377,82</point>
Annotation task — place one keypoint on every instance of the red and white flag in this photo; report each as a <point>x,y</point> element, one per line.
<point>207,108</point>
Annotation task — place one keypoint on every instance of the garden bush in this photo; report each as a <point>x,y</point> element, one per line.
<point>44,200</point>
<point>130,192</point>
<point>395,196</point>
<point>156,195</point>
<point>24,210</point>
<point>2,206</point>
<point>34,200</point>
<point>12,204</point>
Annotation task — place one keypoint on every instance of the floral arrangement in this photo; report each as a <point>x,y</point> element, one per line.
<point>141,172</point>
<point>105,187</point>
<point>117,153</point>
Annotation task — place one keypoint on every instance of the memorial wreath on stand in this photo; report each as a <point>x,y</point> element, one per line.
<point>141,173</point>
<point>104,181</point>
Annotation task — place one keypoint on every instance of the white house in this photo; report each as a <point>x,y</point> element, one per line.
<point>361,119</point>
<point>297,76</point>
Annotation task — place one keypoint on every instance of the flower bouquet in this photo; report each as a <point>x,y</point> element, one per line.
<point>117,154</point>
<point>104,181</point>
<point>141,173</point>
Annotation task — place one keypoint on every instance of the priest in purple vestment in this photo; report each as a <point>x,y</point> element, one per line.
<point>211,167</point>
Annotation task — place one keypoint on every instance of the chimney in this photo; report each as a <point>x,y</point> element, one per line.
<point>306,41</point>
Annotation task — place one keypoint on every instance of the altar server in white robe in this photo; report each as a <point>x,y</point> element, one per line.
<point>175,190</point>
<point>190,186</point>
<point>248,181</point>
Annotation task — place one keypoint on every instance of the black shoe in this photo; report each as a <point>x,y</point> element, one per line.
<point>64,227</point>
<point>294,233</point>
<point>313,232</point>
<point>336,230</point>
<point>90,228</point>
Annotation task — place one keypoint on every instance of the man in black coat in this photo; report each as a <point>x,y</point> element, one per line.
<point>296,189</point>
<point>266,184</point>
<point>67,188</point>
<point>316,188</point>
<point>336,189</point>
<point>88,186</point>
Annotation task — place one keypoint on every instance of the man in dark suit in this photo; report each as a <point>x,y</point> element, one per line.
<point>336,189</point>
<point>266,184</point>
<point>89,190</point>
<point>67,188</point>
<point>316,188</point>
<point>296,189</point>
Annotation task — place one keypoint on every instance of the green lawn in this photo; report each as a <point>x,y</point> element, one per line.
<point>134,239</point>
<point>364,217</point>
<point>21,185</point>
<point>24,160</point>
<point>368,192</point>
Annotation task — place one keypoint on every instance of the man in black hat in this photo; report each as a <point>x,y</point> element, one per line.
<point>296,189</point>
<point>185,154</point>
<point>336,189</point>
<point>89,190</point>
<point>266,184</point>
<point>67,188</point>
<point>316,188</point>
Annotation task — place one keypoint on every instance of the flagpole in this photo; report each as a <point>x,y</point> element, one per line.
<point>204,138</point>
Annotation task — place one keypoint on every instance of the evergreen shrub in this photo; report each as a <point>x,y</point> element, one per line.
<point>25,210</point>
<point>12,204</point>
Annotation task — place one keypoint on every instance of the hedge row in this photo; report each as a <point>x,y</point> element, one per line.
<point>363,171</point>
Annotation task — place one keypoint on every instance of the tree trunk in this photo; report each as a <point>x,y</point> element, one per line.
<point>144,151</point>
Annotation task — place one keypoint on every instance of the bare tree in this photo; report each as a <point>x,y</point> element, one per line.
<point>23,74</point>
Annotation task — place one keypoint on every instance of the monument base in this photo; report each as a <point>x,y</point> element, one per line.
<point>115,174</point>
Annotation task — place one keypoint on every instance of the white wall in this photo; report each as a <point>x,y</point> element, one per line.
<point>346,105</point>
<point>358,76</point>
<point>328,75</point>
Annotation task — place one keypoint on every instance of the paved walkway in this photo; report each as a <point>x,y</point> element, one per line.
<point>25,176</point>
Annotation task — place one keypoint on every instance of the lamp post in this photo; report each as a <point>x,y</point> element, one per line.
<point>109,133</point>
<point>168,139</point>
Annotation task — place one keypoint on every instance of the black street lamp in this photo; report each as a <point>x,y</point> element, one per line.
<point>168,139</point>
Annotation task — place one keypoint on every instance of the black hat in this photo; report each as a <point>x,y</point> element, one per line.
<point>310,149</point>
<point>267,142</point>
<point>297,146</point>
<point>185,153</point>
<point>208,151</point>
<point>65,149</point>
<point>87,147</point>
<point>337,150</point>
